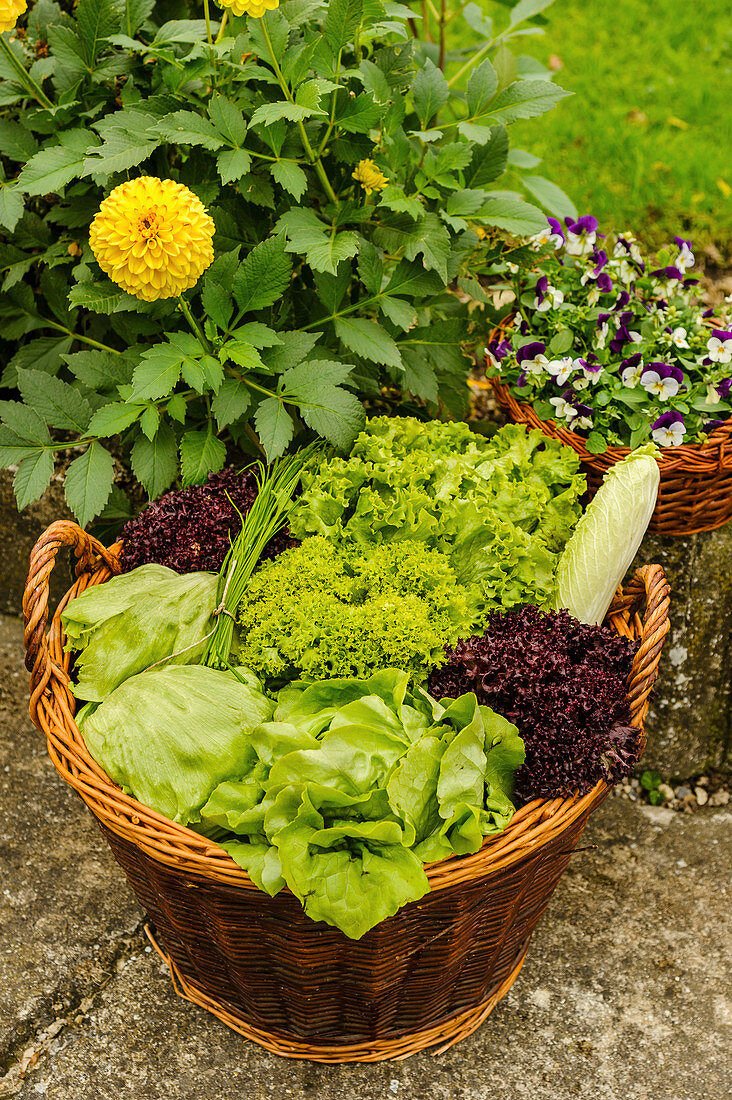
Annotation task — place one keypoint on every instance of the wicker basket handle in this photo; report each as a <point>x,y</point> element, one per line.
<point>648,588</point>
<point>90,553</point>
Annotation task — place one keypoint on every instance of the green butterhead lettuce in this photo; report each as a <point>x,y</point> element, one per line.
<point>358,783</point>
<point>129,623</point>
<point>171,735</point>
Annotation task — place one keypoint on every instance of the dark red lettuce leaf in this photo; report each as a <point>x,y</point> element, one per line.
<point>188,529</point>
<point>563,684</point>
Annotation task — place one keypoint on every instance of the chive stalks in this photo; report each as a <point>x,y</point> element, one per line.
<point>267,516</point>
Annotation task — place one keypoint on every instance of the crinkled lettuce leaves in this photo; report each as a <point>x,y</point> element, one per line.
<point>501,508</point>
<point>354,785</point>
<point>124,626</point>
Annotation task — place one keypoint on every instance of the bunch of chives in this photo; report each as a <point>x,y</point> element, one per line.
<point>266,517</point>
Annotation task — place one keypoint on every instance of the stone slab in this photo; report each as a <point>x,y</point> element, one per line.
<point>623,997</point>
<point>65,910</point>
<point>689,724</point>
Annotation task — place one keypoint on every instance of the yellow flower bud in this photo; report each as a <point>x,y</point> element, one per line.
<point>369,176</point>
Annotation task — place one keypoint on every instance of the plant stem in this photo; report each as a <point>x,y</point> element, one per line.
<point>194,325</point>
<point>207,17</point>
<point>441,58</point>
<point>224,21</point>
<point>77,336</point>
<point>472,61</point>
<point>313,158</point>
<point>24,76</point>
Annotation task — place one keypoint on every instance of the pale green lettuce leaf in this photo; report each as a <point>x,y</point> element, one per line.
<point>171,735</point>
<point>133,621</point>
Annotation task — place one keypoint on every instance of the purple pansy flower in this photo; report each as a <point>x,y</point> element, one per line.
<point>711,425</point>
<point>522,378</point>
<point>623,299</point>
<point>604,282</point>
<point>561,369</point>
<point>631,370</point>
<point>685,259</point>
<point>581,235</point>
<point>532,358</point>
<point>498,349</point>
<point>668,430</point>
<point>669,273</point>
<point>719,346</point>
<point>662,379</point>
<point>557,233</point>
<point>724,387</point>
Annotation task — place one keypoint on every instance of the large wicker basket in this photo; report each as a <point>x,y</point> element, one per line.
<point>695,493</point>
<point>426,977</point>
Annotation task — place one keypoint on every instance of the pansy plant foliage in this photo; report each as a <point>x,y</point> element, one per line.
<point>283,202</point>
<point>612,345</point>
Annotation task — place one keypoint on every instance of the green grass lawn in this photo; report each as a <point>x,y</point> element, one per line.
<point>645,143</point>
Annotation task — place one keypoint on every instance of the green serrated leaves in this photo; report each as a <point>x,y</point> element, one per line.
<point>58,403</point>
<point>341,22</point>
<point>201,453</point>
<point>32,477</point>
<point>430,91</point>
<point>88,483</point>
<point>155,462</point>
<point>159,369</point>
<point>526,99</point>
<point>369,340</point>
<point>264,276</point>
<point>274,426</point>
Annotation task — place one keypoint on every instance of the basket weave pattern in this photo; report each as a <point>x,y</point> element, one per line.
<point>426,977</point>
<point>695,493</point>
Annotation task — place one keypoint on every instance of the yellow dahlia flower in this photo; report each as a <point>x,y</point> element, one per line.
<point>257,8</point>
<point>152,237</point>
<point>369,176</point>
<point>10,12</point>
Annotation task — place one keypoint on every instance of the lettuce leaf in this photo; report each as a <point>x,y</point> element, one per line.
<point>170,736</point>
<point>133,621</point>
<point>501,508</point>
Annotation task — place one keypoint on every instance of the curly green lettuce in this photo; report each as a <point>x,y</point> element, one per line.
<point>321,611</point>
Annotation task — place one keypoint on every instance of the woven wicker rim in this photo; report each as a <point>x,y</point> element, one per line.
<point>52,710</point>
<point>712,457</point>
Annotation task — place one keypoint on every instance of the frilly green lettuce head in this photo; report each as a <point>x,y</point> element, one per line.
<point>326,611</point>
<point>131,622</point>
<point>171,735</point>
<point>500,509</point>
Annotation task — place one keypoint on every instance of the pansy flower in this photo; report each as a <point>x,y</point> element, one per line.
<point>554,235</point>
<point>719,346</point>
<point>712,425</point>
<point>678,337</point>
<point>662,379</point>
<point>498,349</point>
<point>563,407</point>
<point>685,258</point>
<point>582,417</point>
<point>561,369</point>
<point>590,367</point>
<point>668,430</point>
<point>581,235</point>
<point>724,387</point>
<point>531,357</point>
<point>547,297</point>
<point>632,369</point>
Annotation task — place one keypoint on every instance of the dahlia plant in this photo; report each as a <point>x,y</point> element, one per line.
<point>615,346</point>
<point>226,236</point>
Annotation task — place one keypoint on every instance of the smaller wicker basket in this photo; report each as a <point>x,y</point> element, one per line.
<point>426,977</point>
<point>695,493</point>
